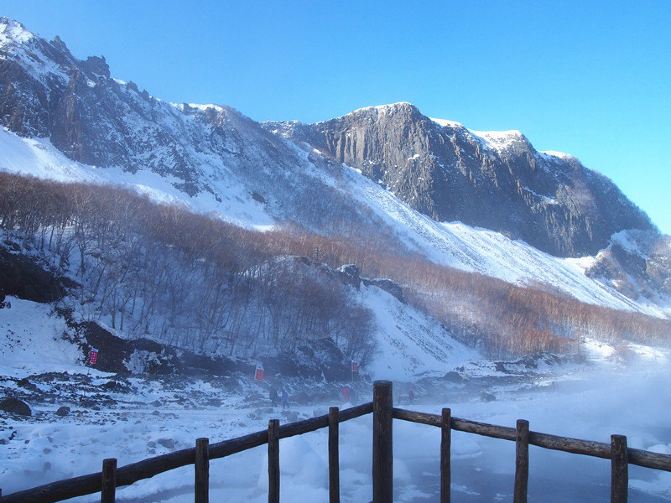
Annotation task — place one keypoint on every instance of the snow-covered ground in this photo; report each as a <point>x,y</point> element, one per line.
<point>31,340</point>
<point>137,418</point>
<point>132,418</point>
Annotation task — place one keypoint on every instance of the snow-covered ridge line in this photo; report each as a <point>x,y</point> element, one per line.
<point>13,31</point>
<point>382,108</point>
<point>495,140</point>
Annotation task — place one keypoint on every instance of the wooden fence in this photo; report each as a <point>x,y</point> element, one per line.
<point>111,477</point>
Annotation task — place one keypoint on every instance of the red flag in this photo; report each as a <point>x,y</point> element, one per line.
<point>93,357</point>
<point>259,374</point>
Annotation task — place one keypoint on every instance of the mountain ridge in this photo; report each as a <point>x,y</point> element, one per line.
<point>495,180</point>
<point>215,160</point>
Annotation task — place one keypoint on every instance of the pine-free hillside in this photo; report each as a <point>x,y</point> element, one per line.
<point>163,272</point>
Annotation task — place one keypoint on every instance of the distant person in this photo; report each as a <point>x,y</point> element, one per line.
<point>285,399</point>
<point>274,398</point>
<point>2,299</point>
<point>346,392</point>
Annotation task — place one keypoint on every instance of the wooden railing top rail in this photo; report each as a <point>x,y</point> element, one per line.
<point>638,457</point>
<point>129,474</point>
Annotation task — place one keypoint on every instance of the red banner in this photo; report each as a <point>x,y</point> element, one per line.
<point>355,367</point>
<point>259,374</point>
<point>93,357</point>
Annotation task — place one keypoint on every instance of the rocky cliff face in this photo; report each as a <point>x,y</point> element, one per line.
<point>97,120</point>
<point>495,180</point>
<point>637,264</point>
<point>208,150</point>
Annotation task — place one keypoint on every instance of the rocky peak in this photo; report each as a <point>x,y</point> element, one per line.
<point>97,66</point>
<point>491,179</point>
<point>12,32</point>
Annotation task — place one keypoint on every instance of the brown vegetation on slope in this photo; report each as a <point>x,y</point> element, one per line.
<point>139,259</point>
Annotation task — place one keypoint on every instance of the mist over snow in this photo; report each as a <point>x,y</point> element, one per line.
<point>583,402</point>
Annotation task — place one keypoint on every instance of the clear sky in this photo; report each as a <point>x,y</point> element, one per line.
<point>592,78</point>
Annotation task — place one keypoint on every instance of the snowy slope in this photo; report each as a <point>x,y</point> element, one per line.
<point>452,244</point>
<point>38,157</point>
<point>409,343</point>
<point>484,251</point>
<point>31,340</point>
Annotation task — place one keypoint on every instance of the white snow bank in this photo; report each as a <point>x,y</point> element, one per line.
<point>31,339</point>
<point>408,342</point>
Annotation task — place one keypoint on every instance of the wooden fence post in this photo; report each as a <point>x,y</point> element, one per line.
<point>619,474</point>
<point>108,488</point>
<point>202,471</point>
<point>445,462</point>
<point>521,461</point>
<point>274,461</point>
<point>334,455</point>
<point>383,461</point>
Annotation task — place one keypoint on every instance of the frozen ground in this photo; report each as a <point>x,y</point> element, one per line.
<point>611,390</point>
<point>135,418</point>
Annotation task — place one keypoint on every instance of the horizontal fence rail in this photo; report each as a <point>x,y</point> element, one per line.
<point>383,413</point>
<point>637,457</point>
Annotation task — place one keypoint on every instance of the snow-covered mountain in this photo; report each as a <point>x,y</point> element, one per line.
<point>495,179</point>
<point>411,177</point>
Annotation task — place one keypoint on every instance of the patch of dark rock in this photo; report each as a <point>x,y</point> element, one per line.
<point>63,411</point>
<point>453,376</point>
<point>24,277</point>
<point>389,286</point>
<point>117,387</point>
<point>13,405</point>
<point>258,198</point>
<point>25,383</point>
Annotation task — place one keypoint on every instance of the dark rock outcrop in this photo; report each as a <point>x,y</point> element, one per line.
<point>13,405</point>
<point>492,180</point>
<point>63,411</point>
<point>637,264</point>
<point>24,277</point>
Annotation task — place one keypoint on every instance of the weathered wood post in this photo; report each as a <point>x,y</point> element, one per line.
<point>619,464</point>
<point>274,461</point>
<point>445,462</point>
<point>334,455</point>
<point>108,488</point>
<point>202,471</point>
<point>383,464</point>
<point>521,461</point>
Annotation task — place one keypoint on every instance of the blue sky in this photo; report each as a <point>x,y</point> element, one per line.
<point>592,78</point>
